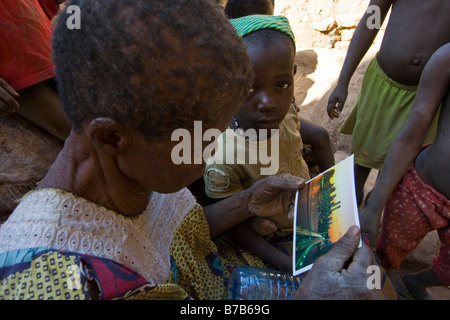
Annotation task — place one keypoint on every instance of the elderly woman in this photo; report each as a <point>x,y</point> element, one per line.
<point>112,218</point>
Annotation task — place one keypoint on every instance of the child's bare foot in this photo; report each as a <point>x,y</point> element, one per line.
<point>417,290</point>
<point>417,283</point>
<point>264,227</point>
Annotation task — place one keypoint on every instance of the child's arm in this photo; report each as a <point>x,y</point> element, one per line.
<point>8,96</point>
<point>246,237</point>
<point>361,41</point>
<point>41,105</point>
<point>319,139</point>
<point>432,89</point>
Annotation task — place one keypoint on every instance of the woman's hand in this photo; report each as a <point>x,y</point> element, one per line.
<point>341,273</point>
<point>274,195</point>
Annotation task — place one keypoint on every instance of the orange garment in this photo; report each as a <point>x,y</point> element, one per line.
<point>413,210</point>
<point>26,36</point>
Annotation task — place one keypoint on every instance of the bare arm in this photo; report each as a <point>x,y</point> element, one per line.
<point>432,88</point>
<point>225,214</point>
<point>8,96</point>
<point>319,139</point>
<point>273,195</point>
<point>361,41</point>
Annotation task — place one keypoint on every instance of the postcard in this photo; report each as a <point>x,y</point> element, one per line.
<point>324,210</point>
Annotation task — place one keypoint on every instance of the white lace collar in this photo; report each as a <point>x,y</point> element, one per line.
<point>60,220</point>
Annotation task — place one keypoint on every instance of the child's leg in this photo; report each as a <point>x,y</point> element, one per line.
<point>441,263</point>
<point>41,105</point>
<point>413,210</point>
<point>319,139</point>
<point>402,229</point>
<point>417,283</point>
<point>244,235</point>
<point>434,276</point>
<point>361,175</point>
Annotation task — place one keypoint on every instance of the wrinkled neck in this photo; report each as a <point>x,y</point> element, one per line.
<point>89,173</point>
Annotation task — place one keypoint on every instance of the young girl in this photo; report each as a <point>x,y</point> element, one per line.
<point>267,120</point>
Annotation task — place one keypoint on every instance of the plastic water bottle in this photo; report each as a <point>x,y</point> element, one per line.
<point>250,283</point>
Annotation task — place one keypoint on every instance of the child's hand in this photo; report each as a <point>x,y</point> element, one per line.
<point>336,101</point>
<point>263,226</point>
<point>370,225</point>
<point>8,96</point>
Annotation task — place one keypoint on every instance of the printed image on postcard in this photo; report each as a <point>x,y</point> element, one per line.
<point>324,210</point>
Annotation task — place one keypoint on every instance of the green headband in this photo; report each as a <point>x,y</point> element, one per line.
<point>248,24</point>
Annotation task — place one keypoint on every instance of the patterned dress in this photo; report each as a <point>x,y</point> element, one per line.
<point>59,246</point>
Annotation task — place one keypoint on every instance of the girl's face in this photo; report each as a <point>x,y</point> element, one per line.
<point>273,87</point>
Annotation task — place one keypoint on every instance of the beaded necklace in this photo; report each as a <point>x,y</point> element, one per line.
<point>239,130</point>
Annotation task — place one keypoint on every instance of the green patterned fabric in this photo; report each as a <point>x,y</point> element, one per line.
<point>252,23</point>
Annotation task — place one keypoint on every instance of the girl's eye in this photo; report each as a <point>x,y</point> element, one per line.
<point>283,85</point>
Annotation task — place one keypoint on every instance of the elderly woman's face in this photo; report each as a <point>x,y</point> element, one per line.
<point>153,164</point>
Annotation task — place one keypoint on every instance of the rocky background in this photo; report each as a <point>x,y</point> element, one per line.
<point>26,153</point>
<point>323,31</point>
